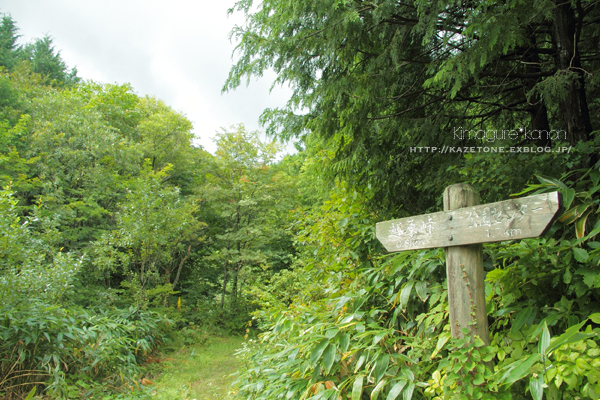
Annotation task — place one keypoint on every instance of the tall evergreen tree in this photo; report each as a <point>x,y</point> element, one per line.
<point>8,42</point>
<point>374,79</point>
<point>46,60</point>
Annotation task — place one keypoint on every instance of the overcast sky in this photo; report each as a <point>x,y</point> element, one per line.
<point>178,51</point>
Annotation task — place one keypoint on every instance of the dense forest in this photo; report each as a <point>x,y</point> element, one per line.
<point>119,237</point>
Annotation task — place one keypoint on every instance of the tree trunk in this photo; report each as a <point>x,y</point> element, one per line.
<point>181,265</point>
<point>236,272</point>
<point>167,281</point>
<point>224,285</point>
<point>142,271</point>
<point>235,285</point>
<point>537,108</point>
<point>573,105</point>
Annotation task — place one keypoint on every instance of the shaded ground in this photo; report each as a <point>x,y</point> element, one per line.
<point>200,372</point>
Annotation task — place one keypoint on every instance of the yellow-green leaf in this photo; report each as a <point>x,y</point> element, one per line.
<point>536,387</point>
<point>357,387</point>
<point>396,390</point>
<point>329,357</point>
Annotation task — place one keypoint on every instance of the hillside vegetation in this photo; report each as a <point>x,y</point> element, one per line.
<point>121,240</point>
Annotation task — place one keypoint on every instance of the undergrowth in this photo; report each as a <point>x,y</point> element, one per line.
<point>377,327</point>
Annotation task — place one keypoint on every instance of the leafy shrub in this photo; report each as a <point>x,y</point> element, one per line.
<point>381,330</point>
<point>30,270</point>
<point>59,342</point>
<point>193,335</point>
<point>211,317</point>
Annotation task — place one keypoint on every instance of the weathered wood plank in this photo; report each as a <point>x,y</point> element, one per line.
<point>505,220</point>
<point>464,270</point>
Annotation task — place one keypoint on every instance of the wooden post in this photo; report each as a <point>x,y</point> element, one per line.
<point>464,268</point>
<point>460,229</point>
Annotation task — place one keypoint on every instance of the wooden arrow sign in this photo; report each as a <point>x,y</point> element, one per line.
<point>505,220</point>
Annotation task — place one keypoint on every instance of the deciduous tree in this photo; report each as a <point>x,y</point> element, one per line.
<point>250,198</point>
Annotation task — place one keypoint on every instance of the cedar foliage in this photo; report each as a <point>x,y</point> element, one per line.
<point>373,79</point>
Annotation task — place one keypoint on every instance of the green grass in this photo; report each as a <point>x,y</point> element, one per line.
<point>200,372</point>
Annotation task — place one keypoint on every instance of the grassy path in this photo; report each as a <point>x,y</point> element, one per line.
<point>200,372</point>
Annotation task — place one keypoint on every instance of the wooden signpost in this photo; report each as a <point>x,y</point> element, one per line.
<point>461,228</point>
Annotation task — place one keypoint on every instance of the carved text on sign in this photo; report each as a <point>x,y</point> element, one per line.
<point>504,220</point>
<point>411,233</point>
<point>490,216</point>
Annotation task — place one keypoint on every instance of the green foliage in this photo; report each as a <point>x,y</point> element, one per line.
<point>373,81</point>
<point>29,271</point>
<point>345,344</point>
<point>8,42</point>
<point>93,216</point>
<point>46,61</point>
<point>246,198</point>
<point>231,320</point>
<point>466,373</point>
<point>41,55</point>
<point>48,344</point>
<point>379,329</point>
<point>341,340</point>
<point>153,226</point>
<point>42,342</point>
